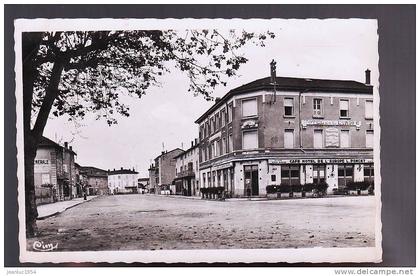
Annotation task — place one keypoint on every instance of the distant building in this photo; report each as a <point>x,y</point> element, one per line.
<point>143,185</point>
<point>54,172</point>
<point>162,172</point>
<point>187,171</point>
<point>288,131</point>
<point>123,181</point>
<point>95,180</point>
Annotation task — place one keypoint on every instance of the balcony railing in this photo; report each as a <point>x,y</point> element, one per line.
<point>186,173</point>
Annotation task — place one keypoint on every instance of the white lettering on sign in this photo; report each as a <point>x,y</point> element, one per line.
<point>332,138</point>
<point>322,161</point>
<point>306,123</point>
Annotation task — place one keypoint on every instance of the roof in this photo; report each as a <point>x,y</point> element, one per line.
<point>122,171</point>
<point>94,169</point>
<point>304,85</point>
<point>186,151</point>
<point>46,142</point>
<point>143,179</point>
<point>167,152</point>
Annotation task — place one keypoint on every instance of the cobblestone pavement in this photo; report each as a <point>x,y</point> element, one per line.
<point>149,222</point>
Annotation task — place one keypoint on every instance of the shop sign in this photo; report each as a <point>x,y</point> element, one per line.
<point>322,161</point>
<point>223,166</point>
<point>306,123</point>
<point>249,124</point>
<point>41,165</point>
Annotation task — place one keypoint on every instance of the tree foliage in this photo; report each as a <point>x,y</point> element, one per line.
<point>99,66</point>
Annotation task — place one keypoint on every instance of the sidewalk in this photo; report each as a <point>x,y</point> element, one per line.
<point>52,209</point>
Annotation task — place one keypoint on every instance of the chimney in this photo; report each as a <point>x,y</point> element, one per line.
<point>122,168</point>
<point>196,141</point>
<point>192,143</point>
<point>217,99</point>
<point>367,74</point>
<point>71,148</point>
<point>66,145</point>
<point>273,73</point>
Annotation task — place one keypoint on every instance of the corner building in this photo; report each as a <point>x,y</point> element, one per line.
<point>288,131</point>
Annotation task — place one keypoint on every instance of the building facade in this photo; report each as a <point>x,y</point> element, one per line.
<point>95,180</point>
<point>143,185</point>
<point>123,181</point>
<point>288,131</point>
<point>187,171</point>
<point>162,172</point>
<point>54,172</point>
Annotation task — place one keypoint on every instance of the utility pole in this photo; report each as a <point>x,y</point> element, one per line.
<point>273,78</point>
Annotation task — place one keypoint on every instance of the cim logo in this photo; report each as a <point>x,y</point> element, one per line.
<point>44,247</point>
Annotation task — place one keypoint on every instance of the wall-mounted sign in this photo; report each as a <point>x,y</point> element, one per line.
<point>306,123</point>
<point>41,165</point>
<point>249,124</point>
<point>222,166</point>
<point>332,138</point>
<point>322,161</point>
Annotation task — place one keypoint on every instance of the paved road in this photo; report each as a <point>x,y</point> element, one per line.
<point>148,222</point>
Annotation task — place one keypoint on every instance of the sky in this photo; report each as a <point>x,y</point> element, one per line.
<point>164,118</point>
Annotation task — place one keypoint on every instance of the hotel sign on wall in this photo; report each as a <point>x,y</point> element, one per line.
<point>322,161</point>
<point>306,123</point>
<point>41,165</point>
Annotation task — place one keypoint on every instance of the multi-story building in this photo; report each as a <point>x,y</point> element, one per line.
<point>123,181</point>
<point>187,171</point>
<point>287,131</point>
<point>162,172</point>
<point>54,172</point>
<point>95,180</point>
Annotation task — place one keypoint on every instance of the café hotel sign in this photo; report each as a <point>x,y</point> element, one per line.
<point>349,123</point>
<point>322,161</point>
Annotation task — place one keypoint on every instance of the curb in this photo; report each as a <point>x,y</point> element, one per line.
<point>59,212</point>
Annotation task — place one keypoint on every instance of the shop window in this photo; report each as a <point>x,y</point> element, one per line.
<point>289,138</point>
<point>225,179</point>
<point>369,138</point>
<point>318,108</point>
<point>318,174</point>
<point>249,107</point>
<point>288,107</point>
<point>219,182</point>
<point>290,175</point>
<point>345,138</point>
<point>250,139</point>
<point>345,175</point>
<point>369,109</point>
<point>318,138</point>
<point>368,172</point>
<point>214,180</point>
<point>344,108</point>
<point>209,179</point>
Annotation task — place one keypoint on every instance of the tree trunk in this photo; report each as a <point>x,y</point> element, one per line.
<point>31,211</point>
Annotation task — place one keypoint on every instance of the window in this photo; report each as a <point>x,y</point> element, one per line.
<point>290,175</point>
<point>216,121</point>
<point>45,179</point>
<point>318,140</point>
<point>224,149</point>
<point>344,108</point>
<point>273,178</point>
<point>230,143</point>
<point>223,117</point>
<point>368,172</point>
<point>288,107</point>
<point>345,175</point>
<point>249,108</point>
<point>319,174</point>
<point>289,138</point>
<point>369,109</point>
<point>345,139</point>
<point>230,114</point>
<point>208,179</point>
<point>213,150</point>
<point>213,125</point>
<point>250,139</point>
<point>369,138</point>
<point>317,107</point>
<point>209,151</point>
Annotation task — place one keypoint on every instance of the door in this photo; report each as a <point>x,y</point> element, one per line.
<point>251,180</point>
<point>189,187</point>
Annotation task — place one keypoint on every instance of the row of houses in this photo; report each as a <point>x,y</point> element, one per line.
<point>276,131</point>
<point>58,177</point>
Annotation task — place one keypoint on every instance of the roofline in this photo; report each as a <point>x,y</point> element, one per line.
<point>239,90</point>
<point>187,150</point>
<point>168,152</point>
